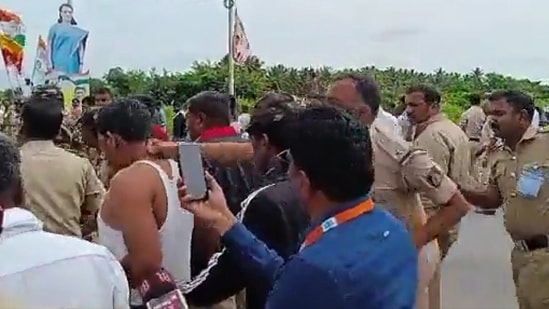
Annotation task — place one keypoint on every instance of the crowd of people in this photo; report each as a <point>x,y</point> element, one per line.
<point>325,203</point>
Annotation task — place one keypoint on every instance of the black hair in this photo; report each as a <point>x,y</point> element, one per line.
<point>104,90</point>
<point>89,101</point>
<point>42,117</point>
<point>334,150</point>
<point>273,98</point>
<point>276,120</point>
<point>430,94</point>
<point>10,161</point>
<point>215,105</point>
<point>367,88</point>
<point>518,100</point>
<point>89,119</point>
<point>60,19</point>
<point>474,98</point>
<point>128,118</point>
<point>144,99</point>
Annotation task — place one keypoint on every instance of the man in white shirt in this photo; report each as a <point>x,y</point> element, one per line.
<point>44,270</point>
<point>389,120</point>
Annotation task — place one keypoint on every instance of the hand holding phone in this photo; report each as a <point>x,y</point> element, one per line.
<point>190,161</point>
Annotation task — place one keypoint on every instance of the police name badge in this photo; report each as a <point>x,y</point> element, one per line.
<point>530,181</point>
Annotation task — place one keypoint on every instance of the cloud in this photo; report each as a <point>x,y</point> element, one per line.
<point>458,35</point>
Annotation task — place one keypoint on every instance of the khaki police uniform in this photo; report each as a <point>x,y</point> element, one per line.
<point>61,189</point>
<point>448,145</point>
<point>522,179</point>
<point>472,121</point>
<point>401,171</point>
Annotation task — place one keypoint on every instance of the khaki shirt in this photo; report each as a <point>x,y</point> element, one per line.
<point>472,121</point>
<point>59,186</point>
<point>524,217</point>
<point>401,171</point>
<point>486,133</point>
<point>449,147</point>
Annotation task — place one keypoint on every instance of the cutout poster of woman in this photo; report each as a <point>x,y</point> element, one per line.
<point>66,43</point>
<point>65,48</point>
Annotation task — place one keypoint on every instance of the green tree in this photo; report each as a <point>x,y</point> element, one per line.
<point>254,78</point>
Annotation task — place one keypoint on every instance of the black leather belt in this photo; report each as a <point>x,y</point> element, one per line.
<point>474,139</point>
<point>534,243</point>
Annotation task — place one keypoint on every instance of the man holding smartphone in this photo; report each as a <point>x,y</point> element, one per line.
<point>273,213</point>
<point>140,221</point>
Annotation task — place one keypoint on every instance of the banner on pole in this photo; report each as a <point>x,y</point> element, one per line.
<point>12,44</point>
<point>40,73</point>
<point>241,45</point>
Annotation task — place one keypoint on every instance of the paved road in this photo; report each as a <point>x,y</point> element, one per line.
<point>477,272</point>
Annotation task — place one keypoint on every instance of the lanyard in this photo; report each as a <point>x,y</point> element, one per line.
<point>335,221</point>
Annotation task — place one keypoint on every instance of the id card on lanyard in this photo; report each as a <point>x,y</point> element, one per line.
<point>337,220</point>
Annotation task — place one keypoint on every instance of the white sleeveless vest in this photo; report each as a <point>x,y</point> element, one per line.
<point>175,233</point>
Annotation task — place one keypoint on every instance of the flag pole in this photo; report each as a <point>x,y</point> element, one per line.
<point>229,5</point>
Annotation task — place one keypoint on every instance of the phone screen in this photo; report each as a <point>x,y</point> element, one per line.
<point>190,160</point>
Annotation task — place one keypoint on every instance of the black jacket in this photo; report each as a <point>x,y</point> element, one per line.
<point>274,214</point>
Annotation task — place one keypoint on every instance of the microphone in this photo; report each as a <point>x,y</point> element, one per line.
<point>159,291</point>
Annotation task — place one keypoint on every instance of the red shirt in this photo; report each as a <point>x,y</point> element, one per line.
<point>160,132</point>
<point>217,132</point>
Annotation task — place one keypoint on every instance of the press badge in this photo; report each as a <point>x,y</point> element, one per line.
<point>530,182</point>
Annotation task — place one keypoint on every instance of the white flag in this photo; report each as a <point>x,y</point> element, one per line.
<point>40,70</point>
<point>241,46</point>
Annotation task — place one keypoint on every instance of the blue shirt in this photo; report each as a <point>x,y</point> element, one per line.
<point>369,262</point>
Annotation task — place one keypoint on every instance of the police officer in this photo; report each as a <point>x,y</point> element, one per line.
<point>62,189</point>
<point>449,147</point>
<point>401,170</point>
<point>518,176</point>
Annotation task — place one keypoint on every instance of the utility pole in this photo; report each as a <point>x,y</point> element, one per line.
<point>69,2</point>
<point>229,5</point>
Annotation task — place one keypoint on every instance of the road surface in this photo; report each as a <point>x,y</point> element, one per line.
<point>477,272</point>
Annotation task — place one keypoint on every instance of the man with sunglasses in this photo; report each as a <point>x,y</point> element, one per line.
<point>353,255</point>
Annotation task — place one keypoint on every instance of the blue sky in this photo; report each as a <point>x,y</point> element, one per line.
<point>506,36</point>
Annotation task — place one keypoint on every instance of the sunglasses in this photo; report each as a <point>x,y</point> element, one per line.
<point>285,156</point>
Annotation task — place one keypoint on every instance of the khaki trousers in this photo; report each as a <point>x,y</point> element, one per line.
<point>531,276</point>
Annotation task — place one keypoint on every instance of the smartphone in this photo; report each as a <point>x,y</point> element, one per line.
<point>190,162</point>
